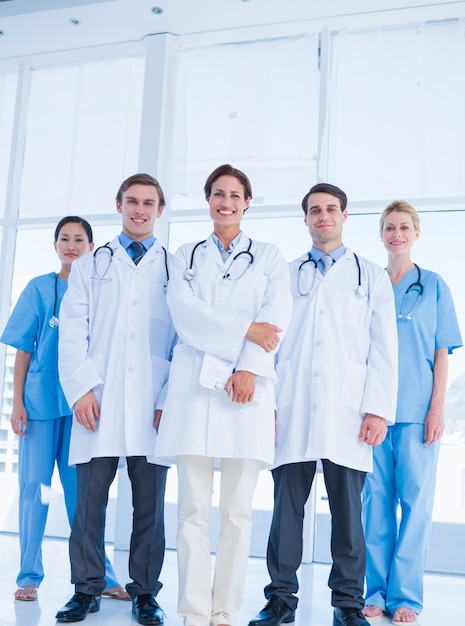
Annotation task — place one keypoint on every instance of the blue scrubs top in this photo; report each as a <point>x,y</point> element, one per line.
<point>433,325</point>
<point>28,330</point>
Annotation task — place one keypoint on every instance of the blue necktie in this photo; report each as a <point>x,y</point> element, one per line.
<point>327,261</point>
<point>137,251</point>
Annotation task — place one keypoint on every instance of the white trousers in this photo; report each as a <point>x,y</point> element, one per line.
<point>199,602</point>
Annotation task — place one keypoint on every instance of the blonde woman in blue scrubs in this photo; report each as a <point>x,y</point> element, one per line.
<point>41,417</point>
<point>405,464</point>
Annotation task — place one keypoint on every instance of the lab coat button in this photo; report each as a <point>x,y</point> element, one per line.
<point>130,368</point>
<point>214,400</point>
<point>135,302</point>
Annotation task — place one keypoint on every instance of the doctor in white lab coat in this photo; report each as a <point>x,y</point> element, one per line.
<point>230,300</point>
<point>337,385</point>
<point>116,341</point>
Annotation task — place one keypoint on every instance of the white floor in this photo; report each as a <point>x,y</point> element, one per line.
<point>444,595</point>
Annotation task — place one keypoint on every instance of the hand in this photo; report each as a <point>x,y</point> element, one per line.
<point>157,419</point>
<point>19,420</point>
<point>264,335</point>
<point>87,411</point>
<point>434,426</point>
<point>242,386</point>
<point>374,430</point>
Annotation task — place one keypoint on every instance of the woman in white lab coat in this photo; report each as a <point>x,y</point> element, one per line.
<point>229,298</point>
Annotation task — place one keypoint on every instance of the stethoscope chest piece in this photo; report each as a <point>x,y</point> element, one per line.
<point>189,274</point>
<point>53,322</point>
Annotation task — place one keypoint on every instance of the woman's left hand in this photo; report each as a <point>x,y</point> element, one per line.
<point>242,386</point>
<point>434,426</point>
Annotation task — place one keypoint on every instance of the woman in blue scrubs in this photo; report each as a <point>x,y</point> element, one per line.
<point>404,466</point>
<point>41,417</point>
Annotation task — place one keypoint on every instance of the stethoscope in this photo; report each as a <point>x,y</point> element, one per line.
<point>107,251</point>
<point>190,272</point>
<point>418,288</point>
<point>360,292</point>
<point>53,321</point>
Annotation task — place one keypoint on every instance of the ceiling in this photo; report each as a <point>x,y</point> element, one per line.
<point>40,26</point>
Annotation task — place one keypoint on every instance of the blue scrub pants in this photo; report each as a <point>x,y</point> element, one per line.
<point>404,473</point>
<point>47,443</point>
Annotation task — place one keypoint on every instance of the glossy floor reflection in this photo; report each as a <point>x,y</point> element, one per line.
<point>444,594</point>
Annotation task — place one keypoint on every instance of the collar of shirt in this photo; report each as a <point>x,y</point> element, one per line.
<point>126,241</point>
<point>225,253</point>
<point>336,254</point>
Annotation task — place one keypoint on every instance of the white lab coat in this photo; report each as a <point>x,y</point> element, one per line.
<point>212,315</point>
<point>337,362</point>
<point>116,339</point>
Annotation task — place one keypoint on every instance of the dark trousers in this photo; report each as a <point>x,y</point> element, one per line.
<point>292,484</point>
<point>147,548</point>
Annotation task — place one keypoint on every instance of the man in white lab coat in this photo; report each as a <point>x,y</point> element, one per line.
<point>337,386</point>
<point>115,346</point>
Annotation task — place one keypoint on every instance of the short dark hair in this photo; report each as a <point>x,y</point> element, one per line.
<point>228,170</point>
<point>140,179</point>
<point>74,219</point>
<point>326,188</point>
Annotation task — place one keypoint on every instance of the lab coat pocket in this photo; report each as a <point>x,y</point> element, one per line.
<point>283,384</point>
<point>353,387</point>
<point>185,367</point>
<point>160,372</point>
<point>356,309</point>
<point>250,293</point>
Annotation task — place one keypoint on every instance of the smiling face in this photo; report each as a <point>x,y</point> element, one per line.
<point>399,233</point>
<point>227,203</point>
<point>324,219</point>
<point>72,242</point>
<point>140,208</point>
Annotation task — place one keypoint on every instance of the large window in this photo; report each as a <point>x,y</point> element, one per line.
<point>82,136</point>
<point>396,112</point>
<point>252,104</point>
<point>7,104</point>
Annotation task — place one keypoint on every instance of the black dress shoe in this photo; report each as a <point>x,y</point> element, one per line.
<point>77,608</point>
<point>349,617</point>
<point>276,612</point>
<point>147,610</point>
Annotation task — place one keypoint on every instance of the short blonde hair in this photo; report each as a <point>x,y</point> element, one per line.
<point>399,206</point>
